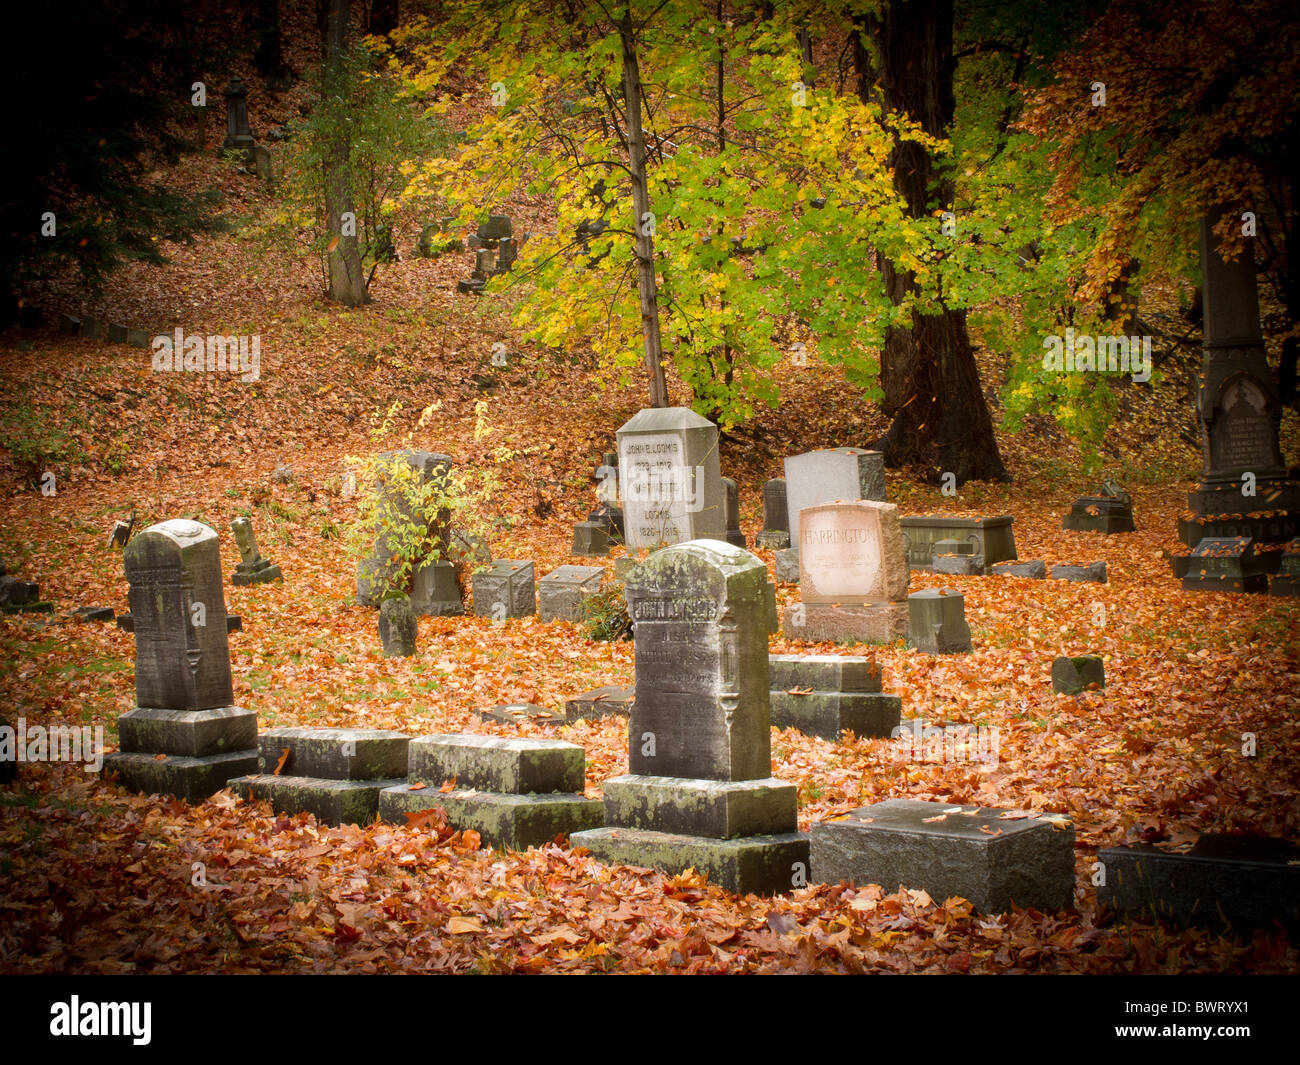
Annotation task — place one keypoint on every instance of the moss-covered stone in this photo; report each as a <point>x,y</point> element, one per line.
<point>336,753</point>
<point>492,763</point>
<point>827,714</point>
<point>513,821</point>
<point>719,809</point>
<point>191,733</point>
<point>191,779</point>
<point>332,802</point>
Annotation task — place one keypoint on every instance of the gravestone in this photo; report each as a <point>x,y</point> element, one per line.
<point>515,793</point>
<point>1224,564</point>
<point>69,324</point>
<point>590,539</point>
<point>238,135</point>
<point>787,565</point>
<point>22,597</point>
<point>252,567</point>
<point>1033,570</point>
<point>92,328</point>
<point>1071,676</point>
<point>828,475</point>
<point>397,627</point>
<point>991,540</point>
<point>607,701</point>
<point>937,622</point>
<point>184,737</point>
<point>734,536</point>
<point>823,695</point>
<point>955,556</point>
<point>495,228</point>
<point>562,592</point>
<point>1239,409</point>
<point>669,478</point>
<point>507,254</point>
<point>1110,510</point>
<point>991,857</point>
<point>1287,581</point>
<point>137,338</point>
<point>116,333</point>
<point>1093,571</point>
<point>396,510</point>
<point>435,592</point>
<point>852,574</point>
<point>700,792</point>
<point>334,774</point>
<point>505,590</point>
<point>776,515</point>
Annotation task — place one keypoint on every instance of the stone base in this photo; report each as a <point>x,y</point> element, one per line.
<point>41,607</point>
<point>234,623</point>
<point>473,285</point>
<point>188,733</point>
<point>980,857</point>
<point>878,623</point>
<point>1070,676</point>
<point>333,802</point>
<point>1224,881</point>
<point>718,809</point>
<point>826,673</point>
<point>1222,582</point>
<point>751,865</point>
<point>609,701</point>
<point>958,565</point>
<point>517,713</point>
<point>827,714</point>
<point>774,539</point>
<point>513,821</point>
<point>1284,585</point>
<point>261,572</point>
<point>1276,529</point>
<point>1034,570</point>
<point>491,763</point>
<point>737,538</point>
<point>335,753</point>
<point>191,779</point>
<point>1094,571</point>
<point>1102,523</point>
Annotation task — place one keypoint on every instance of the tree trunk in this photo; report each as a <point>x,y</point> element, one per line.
<point>269,57</point>
<point>384,16</point>
<point>647,286</point>
<point>932,390</point>
<point>347,282</point>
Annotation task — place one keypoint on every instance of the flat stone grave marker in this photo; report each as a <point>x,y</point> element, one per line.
<point>607,701</point>
<point>1225,564</point>
<point>517,713</point>
<point>669,478</point>
<point>992,539</point>
<point>562,592</point>
<point>1070,676</point>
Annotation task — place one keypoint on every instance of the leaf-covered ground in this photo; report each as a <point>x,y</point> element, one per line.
<point>96,880</point>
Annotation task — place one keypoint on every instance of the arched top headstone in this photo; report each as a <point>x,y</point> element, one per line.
<point>701,614</point>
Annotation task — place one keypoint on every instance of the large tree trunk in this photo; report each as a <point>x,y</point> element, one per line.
<point>932,390</point>
<point>384,16</point>
<point>347,282</point>
<point>269,57</point>
<point>647,285</point>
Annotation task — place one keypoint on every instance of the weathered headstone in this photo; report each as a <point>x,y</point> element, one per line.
<point>562,592</point>
<point>397,627</point>
<point>823,695</point>
<point>700,792</point>
<point>507,254</point>
<point>238,134</point>
<point>252,567</point>
<point>1224,564</point>
<point>829,475</point>
<point>979,854</point>
<point>776,516</point>
<point>1071,676</point>
<point>787,565</point>
<point>92,328</point>
<point>505,590</point>
<point>515,793</point>
<point>69,324</point>
<point>1035,569</point>
<point>1092,571</point>
<point>852,574</point>
<point>22,597</point>
<point>991,539</point>
<point>669,478</point>
<point>184,737</point>
<point>495,228</point>
<point>397,517</point>
<point>116,333</point>
<point>937,622</point>
<point>590,539</point>
<point>734,535</point>
<point>435,592</point>
<point>1110,510</point>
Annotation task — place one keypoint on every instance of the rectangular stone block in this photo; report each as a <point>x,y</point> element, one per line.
<point>590,540</point>
<point>491,763</point>
<point>827,673</point>
<point>192,733</point>
<point>1224,882</point>
<point>331,802</point>
<point>750,865</point>
<point>516,822</point>
<point>827,714</point>
<point>335,753</point>
<point>609,701</point>
<point>505,590</point>
<point>841,473</point>
<point>880,623</point>
<point>562,591</point>
<point>435,592</point>
<point>851,553</point>
<point>191,779</point>
<point>991,537</point>
<point>718,809</point>
<point>669,478</point>
<point>980,856</point>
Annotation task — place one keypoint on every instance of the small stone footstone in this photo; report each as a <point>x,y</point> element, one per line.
<point>252,567</point>
<point>335,774</point>
<point>773,540</point>
<point>776,513</point>
<point>852,574</point>
<point>435,592</point>
<point>94,613</point>
<point>562,592</point>
<point>1094,571</point>
<point>8,754</point>
<point>609,701</point>
<point>505,590</point>
<point>1287,581</point>
<point>184,738</point>
<point>22,597</point>
<point>69,325</point>
<point>116,333</point>
<point>92,328</point>
<point>948,850</point>
<point>137,338</point>
<point>1224,564</point>
<point>1035,569</point>
<point>732,494</point>
<point>1070,676</point>
<point>787,565</point>
<point>517,713</point>
<point>515,793</point>
<point>936,622</point>
<point>700,791</point>
<point>590,539</point>
<point>823,695</point>
<point>1224,881</point>
<point>397,627</point>
<point>1109,511</point>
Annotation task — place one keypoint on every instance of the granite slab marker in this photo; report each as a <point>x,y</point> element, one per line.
<point>669,478</point>
<point>831,474</point>
<point>505,590</point>
<point>562,592</point>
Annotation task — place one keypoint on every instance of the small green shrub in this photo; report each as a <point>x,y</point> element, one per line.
<point>605,616</point>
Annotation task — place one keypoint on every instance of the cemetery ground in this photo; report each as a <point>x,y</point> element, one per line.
<point>1195,731</point>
